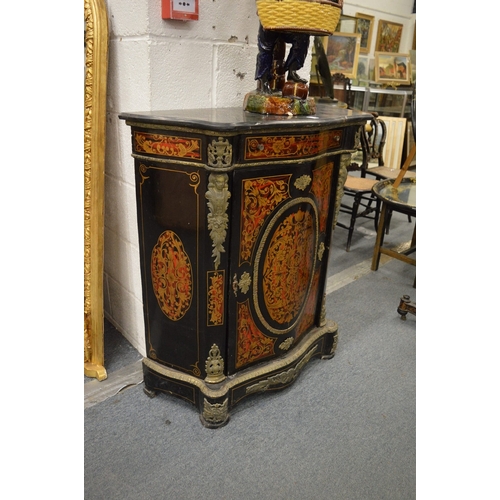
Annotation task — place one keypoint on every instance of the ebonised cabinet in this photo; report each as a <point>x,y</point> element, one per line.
<point>235,216</point>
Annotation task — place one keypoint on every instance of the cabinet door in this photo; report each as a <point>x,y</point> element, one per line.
<point>282,216</point>
<point>171,218</point>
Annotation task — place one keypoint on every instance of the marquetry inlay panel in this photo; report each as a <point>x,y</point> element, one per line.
<point>171,276</point>
<point>215,299</point>
<point>291,146</point>
<point>252,344</point>
<point>284,264</point>
<point>321,189</point>
<point>166,145</point>
<point>259,198</point>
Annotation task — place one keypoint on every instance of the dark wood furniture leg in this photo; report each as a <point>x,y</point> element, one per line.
<point>380,238</point>
<point>406,306</point>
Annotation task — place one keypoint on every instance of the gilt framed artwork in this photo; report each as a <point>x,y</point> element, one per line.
<point>392,68</point>
<point>363,72</point>
<point>347,24</point>
<point>342,52</point>
<point>364,26</point>
<point>388,36</point>
<point>413,61</point>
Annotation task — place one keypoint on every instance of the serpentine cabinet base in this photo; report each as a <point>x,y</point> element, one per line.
<point>235,216</point>
<point>215,400</point>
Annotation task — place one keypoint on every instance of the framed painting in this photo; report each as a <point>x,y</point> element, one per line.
<point>388,36</point>
<point>392,68</point>
<point>413,62</point>
<point>364,26</point>
<point>363,71</point>
<point>371,70</point>
<point>342,52</point>
<point>347,24</point>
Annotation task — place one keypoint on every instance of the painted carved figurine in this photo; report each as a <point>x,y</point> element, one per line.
<point>271,44</point>
<point>280,89</point>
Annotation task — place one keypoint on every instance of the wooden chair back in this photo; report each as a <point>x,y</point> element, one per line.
<point>394,141</point>
<point>342,89</point>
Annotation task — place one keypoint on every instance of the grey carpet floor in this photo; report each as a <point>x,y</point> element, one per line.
<point>344,430</point>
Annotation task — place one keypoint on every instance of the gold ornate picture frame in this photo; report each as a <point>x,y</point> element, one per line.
<point>392,68</point>
<point>388,36</point>
<point>342,52</point>
<point>363,71</point>
<point>96,66</point>
<point>364,26</point>
<point>347,24</point>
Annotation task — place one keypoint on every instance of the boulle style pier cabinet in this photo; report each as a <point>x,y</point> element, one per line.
<point>235,216</point>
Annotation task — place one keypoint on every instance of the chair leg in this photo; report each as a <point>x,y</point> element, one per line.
<point>388,221</point>
<point>380,238</point>
<point>377,214</point>
<point>355,207</point>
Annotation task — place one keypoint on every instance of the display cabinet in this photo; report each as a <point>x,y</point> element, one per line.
<point>235,216</point>
<point>384,101</point>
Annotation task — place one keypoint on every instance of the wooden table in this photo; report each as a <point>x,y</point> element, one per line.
<point>400,199</point>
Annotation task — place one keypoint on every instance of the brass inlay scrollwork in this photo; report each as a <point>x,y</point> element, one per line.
<point>251,343</point>
<point>214,366</point>
<point>259,198</point>
<point>287,266</point>
<point>321,188</point>
<point>215,413</point>
<point>220,153</point>
<point>282,378</point>
<point>218,200</point>
<point>307,319</point>
<point>196,371</point>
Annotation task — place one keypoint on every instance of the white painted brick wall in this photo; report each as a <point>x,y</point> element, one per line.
<point>160,64</point>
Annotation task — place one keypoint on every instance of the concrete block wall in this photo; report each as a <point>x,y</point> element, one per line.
<point>165,64</point>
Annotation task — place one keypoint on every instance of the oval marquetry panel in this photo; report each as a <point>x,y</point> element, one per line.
<point>172,276</point>
<point>285,265</point>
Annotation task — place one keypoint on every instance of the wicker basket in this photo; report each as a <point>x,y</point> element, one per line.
<point>316,17</point>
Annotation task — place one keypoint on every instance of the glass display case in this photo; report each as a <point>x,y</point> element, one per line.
<point>384,101</point>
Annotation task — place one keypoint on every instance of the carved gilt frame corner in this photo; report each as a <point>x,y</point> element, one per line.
<point>96,68</point>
